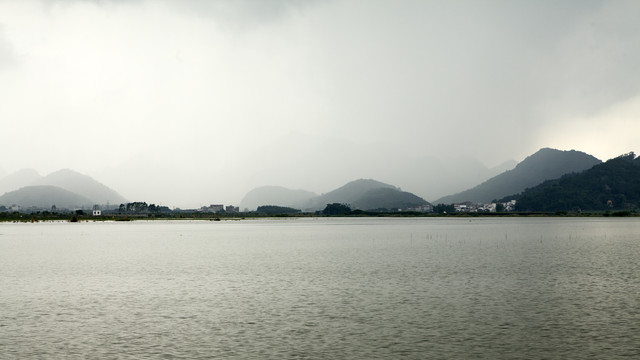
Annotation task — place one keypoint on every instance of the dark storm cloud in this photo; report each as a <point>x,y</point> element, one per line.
<point>465,72</point>
<point>490,79</point>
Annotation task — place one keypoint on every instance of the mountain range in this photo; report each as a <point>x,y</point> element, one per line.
<point>612,185</point>
<point>64,188</point>
<point>44,197</point>
<point>543,165</point>
<point>531,182</point>
<point>364,194</point>
<point>548,180</point>
<point>429,177</point>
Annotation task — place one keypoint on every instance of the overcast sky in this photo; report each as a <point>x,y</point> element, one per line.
<point>187,102</point>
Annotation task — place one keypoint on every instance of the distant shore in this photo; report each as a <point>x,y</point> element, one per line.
<point>26,218</point>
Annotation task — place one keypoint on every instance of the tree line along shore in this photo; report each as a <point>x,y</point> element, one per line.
<point>196,215</point>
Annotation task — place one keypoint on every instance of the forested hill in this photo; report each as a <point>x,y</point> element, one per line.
<point>362,194</point>
<point>613,185</point>
<point>346,194</point>
<point>545,164</point>
<point>387,198</point>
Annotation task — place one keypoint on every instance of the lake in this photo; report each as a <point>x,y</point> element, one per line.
<point>317,288</point>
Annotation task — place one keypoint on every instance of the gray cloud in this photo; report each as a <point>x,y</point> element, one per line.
<point>7,54</point>
<point>242,14</point>
<point>469,72</point>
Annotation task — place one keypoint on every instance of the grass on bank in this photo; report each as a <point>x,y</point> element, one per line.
<point>46,216</point>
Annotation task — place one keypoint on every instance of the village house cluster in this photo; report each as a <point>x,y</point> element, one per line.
<point>219,208</point>
<point>142,208</point>
<point>421,208</point>
<point>97,209</point>
<point>468,206</point>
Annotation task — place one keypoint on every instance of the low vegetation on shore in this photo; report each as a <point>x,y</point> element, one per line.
<point>44,216</point>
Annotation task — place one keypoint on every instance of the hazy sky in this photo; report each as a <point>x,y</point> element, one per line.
<point>187,103</point>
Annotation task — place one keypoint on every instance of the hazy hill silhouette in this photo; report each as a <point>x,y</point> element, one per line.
<point>18,179</point>
<point>83,185</point>
<point>428,176</point>
<point>545,164</point>
<point>69,180</point>
<point>346,194</point>
<point>274,195</point>
<point>364,194</point>
<point>44,196</point>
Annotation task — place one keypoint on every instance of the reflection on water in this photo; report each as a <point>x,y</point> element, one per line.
<point>322,288</point>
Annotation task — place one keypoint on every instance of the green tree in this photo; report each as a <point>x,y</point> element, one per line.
<point>336,209</point>
<point>444,208</point>
<point>137,207</point>
<point>276,210</point>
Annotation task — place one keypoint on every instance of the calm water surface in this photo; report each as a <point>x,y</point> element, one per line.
<point>533,288</point>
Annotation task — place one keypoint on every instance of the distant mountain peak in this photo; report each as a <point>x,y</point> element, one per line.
<point>546,153</point>
<point>364,194</point>
<point>545,164</point>
<point>612,185</point>
<point>367,183</point>
<point>83,185</point>
<point>18,179</point>
<point>66,171</point>
<point>67,179</point>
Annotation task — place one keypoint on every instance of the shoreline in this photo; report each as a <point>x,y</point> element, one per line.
<point>32,218</point>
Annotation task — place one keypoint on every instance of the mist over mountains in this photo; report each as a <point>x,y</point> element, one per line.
<point>19,179</point>
<point>321,164</point>
<point>83,185</point>
<point>349,193</point>
<point>63,188</point>
<point>69,188</point>
<point>545,164</point>
<point>207,102</point>
<point>363,194</point>
<point>44,197</point>
<point>3,173</point>
<point>275,195</point>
